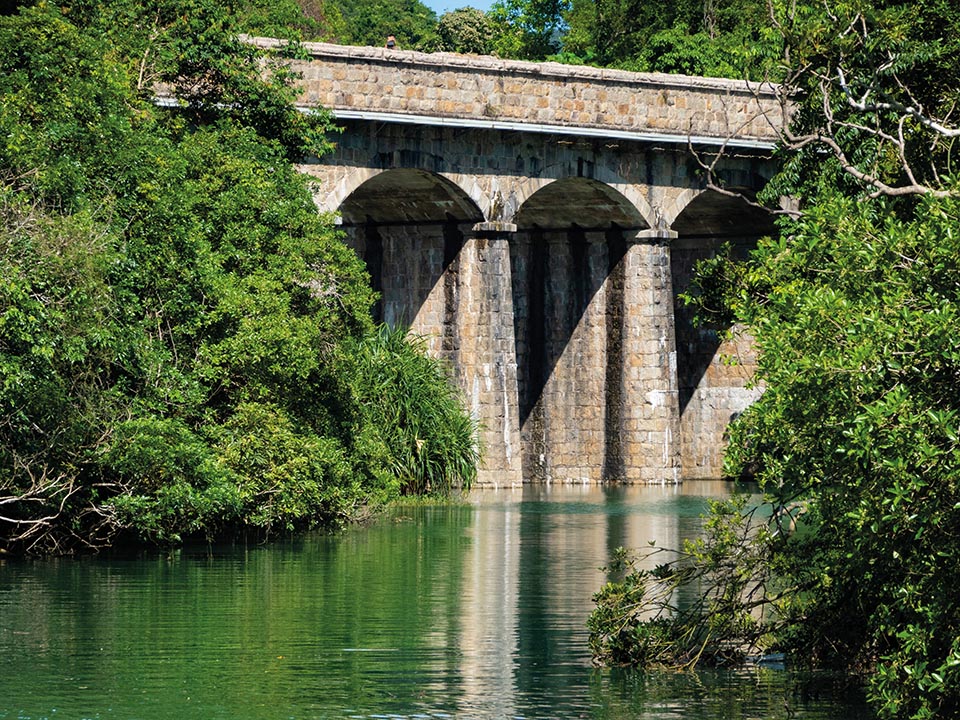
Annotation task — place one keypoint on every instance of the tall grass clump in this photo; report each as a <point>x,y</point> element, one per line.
<point>411,418</point>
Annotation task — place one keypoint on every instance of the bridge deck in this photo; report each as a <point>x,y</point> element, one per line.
<point>487,92</point>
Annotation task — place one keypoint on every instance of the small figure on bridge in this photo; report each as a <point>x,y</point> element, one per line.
<point>391,42</point>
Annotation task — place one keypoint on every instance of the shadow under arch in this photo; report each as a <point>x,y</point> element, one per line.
<point>408,226</point>
<point>710,392</point>
<point>613,186</point>
<point>568,277</point>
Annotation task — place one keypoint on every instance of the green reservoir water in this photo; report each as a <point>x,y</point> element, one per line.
<point>468,611</point>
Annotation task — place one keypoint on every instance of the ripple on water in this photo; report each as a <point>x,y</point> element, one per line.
<point>474,610</point>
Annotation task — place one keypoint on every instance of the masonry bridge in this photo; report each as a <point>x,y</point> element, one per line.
<point>536,223</point>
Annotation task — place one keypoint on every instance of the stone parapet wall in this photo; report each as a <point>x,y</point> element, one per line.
<point>543,259</point>
<point>483,89</point>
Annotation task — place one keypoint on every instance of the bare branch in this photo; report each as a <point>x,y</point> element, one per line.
<point>879,105</point>
<point>894,106</point>
<point>40,499</point>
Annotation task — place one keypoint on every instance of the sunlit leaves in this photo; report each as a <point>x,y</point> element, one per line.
<point>180,330</point>
<point>854,313</point>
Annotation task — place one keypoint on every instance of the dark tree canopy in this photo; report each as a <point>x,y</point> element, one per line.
<point>849,561</point>
<point>186,346</point>
<point>369,22</point>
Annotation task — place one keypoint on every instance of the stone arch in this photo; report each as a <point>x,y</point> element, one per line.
<point>708,213</point>
<point>409,226</point>
<point>568,273</point>
<point>672,209</point>
<point>629,192</point>
<point>443,273</point>
<point>711,390</point>
<point>471,186</point>
<point>744,176</point>
<point>406,195</point>
<point>576,201</point>
<point>355,177</point>
<point>342,188</point>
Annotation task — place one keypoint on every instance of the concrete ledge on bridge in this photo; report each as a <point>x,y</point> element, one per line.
<point>494,228</point>
<point>484,91</point>
<point>654,236</point>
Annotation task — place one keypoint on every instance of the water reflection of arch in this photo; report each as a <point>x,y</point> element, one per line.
<point>711,391</point>
<point>567,273</point>
<point>564,536</point>
<point>408,225</point>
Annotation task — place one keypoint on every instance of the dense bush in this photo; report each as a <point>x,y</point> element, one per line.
<point>851,562</point>
<point>466,30</point>
<point>181,334</point>
<point>410,414</point>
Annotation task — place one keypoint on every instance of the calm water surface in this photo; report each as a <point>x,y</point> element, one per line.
<point>474,610</point>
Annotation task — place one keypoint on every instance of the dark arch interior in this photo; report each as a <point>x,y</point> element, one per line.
<point>570,241</point>
<point>408,227</point>
<point>711,221</point>
<point>404,196</point>
<point>715,215</point>
<point>581,202</point>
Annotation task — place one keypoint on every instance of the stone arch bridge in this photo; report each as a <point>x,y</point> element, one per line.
<point>536,223</point>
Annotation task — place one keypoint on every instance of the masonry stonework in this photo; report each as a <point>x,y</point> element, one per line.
<point>482,88</point>
<point>537,224</point>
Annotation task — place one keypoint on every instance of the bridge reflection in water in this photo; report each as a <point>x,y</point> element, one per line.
<point>475,610</point>
<point>535,560</point>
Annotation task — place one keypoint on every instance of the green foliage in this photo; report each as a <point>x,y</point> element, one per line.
<point>854,315</point>
<point>678,50</point>
<point>180,331</point>
<point>528,29</point>
<point>729,38</point>
<point>287,19</point>
<point>368,22</point>
<point>649,617</point>
<point>853,309</point>
<point>63,113</point>
<point>415,424</point>
<point>287,476</point>
<point>325,21</point>
<point>867,92</point>
<point>466,30</point>
<point>173,484</point>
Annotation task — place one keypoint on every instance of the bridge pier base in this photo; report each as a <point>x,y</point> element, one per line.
<point>650,422</point>
<point>487,368</point>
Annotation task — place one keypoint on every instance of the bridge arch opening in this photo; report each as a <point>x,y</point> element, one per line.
<point>713,373</point>
<point>568,277</point>
<point>409,226</point>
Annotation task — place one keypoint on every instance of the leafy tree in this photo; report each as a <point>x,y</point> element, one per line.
<point>289,19</point>
<point>368,22</point>
<point>326,21</point>
<point>728,38</point>
<point>528,29</point>
<point>850,561</point>
<point>579,41</point>
<point>180,331</point>
<point>466,30</point>
<point>622,27</point>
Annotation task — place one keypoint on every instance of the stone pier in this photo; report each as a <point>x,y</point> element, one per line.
<point>538,224</point>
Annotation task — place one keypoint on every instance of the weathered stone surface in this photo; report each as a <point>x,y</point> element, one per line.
<point>543,265</point>
<point>470,87</point>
